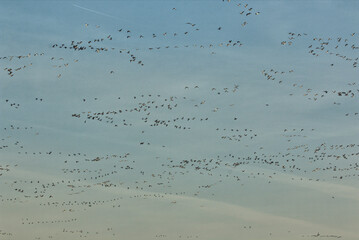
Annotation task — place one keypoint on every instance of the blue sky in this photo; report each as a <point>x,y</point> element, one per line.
<point>46,155</point>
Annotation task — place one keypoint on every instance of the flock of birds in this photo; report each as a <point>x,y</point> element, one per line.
<point>193,109</point>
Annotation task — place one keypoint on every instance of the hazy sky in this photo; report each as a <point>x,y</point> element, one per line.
<point>192,120</point>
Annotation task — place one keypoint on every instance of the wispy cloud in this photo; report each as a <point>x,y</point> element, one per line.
<point>93,11</point>
<point>343,191</point>
<point>191,206</point>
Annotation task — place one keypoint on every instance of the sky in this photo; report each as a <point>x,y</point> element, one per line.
<point>179,119</point>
